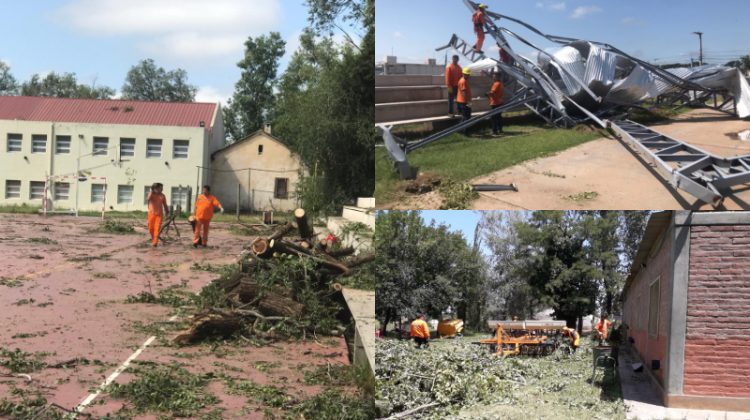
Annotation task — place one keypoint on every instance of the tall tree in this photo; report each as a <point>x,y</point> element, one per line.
<point>148,82</point>
<point>253,99</point>
<point>63,85</point>
<point>8,84</point>
<point>603,245</point>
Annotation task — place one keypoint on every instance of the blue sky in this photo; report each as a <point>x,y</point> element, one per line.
<point>100,40</point>
<point>656,30</point>
<point>464,221</point>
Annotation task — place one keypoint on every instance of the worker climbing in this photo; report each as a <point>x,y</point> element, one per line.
<point>495,96</point>
<point>452,77</point>
<point>157,206</point>
<point>420,332</point>
<point>463,97</point>
<point>575,338</point>
<point>602,328</point>
<point>479,19</point>
<point>204,212</point>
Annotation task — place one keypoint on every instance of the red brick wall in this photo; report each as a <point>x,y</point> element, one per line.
<point>717,345</point>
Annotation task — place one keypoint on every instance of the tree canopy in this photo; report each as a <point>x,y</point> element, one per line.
<point>148,82</point>
<point>8,84</point>
<point>63,85</point>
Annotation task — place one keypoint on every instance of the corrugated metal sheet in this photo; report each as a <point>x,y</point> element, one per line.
<point>105,111</point>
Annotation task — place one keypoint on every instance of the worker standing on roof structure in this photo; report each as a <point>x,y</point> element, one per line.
<point>420,332</point>
<point>479,19</point>
<point>157,206</point>
<point>495,95</point>
<point>204,212</point>
<point>463,97</point>
<point>452,76</point>
<point>602,328</point>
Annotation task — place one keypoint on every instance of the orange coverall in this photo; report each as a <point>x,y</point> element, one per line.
<point>464,91</point>
<point>157,202</point>
<point>419,329</point>
<point>479,20</point>
<point>204,212</point>
<point>452,75</point>
<point>496,93</point>
<point>602,328</point>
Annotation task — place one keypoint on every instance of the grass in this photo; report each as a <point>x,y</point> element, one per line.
<point>18,361</point>
<point>462,158</point>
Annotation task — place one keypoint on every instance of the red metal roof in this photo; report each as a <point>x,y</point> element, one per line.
<point>106,111</point>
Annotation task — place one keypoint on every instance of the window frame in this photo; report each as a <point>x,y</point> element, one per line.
<point>8,139</point>
<point>103,192</point>
<point>127,140</point>
<point>34,139</point>
<point>99,152</point>
<point>120,188</point>
<point>7,181</point>
<point>148,150</point>
<point>57,144</point>
<point>32,184</point>
<point>58,187</point>
<point>276,194</point>
<point>174,148</point>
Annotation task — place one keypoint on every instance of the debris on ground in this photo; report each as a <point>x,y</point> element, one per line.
<point>457,195</point>
<point>423,183</point>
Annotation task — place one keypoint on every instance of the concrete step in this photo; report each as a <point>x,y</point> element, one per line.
<point>386,94</point>
<point>336,226</point>
<point>366,202</point>
<point>359,215</point>
<point>398,111</point>
<point>409,80</point>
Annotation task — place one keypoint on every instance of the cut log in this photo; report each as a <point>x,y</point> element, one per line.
<point>274,301</point>
<point>210,325</point>
<point>304,228</point>
<point>360,259</point>
<point>341,252</point>
<point>281,232</point>
<point>262,247</point>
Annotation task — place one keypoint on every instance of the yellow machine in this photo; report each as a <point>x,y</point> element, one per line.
<point>523,337</point>
<point>450,327</point>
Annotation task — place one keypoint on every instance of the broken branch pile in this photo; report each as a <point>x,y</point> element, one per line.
<point>283,285</point>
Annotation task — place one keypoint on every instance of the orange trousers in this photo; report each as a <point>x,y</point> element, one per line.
<point>201,231</point>
<point>480,40</point>
<point>154,224</point>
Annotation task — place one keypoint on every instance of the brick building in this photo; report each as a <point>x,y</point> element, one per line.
<point>687,308</point>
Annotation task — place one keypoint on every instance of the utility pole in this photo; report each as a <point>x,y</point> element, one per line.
<point>700,40</point>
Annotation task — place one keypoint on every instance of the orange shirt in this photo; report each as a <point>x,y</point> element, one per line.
<point>496,93</point>
<point>452,74</point>
<point>479,19</point>
<point>156,204</point>
<point>464,91</point>
<point>204,207</point>
<point>603,327</point>
<point>419,328</point>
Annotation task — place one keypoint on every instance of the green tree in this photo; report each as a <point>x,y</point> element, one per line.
<point>8,84</point>
<point>253,99</point>
<point>63,85</point>
<point>603,252</point>
<point>147,82</point>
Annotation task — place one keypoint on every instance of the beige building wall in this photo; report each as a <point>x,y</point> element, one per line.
<point>254,164</point>
<point>121,172</point>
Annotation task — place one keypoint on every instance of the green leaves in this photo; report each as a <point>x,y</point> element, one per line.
<point>147,82</point>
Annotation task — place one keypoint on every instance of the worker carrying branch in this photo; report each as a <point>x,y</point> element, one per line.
<point>204,212</point>
<point>602,328</point>
<point>420,332</point>
<point>479,19</point>
<point>452,77</point>
<point>575,338</point>
<point>157,206</point>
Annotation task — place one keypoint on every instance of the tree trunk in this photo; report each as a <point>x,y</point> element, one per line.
<point>304,228</point>
<point>274,301</point>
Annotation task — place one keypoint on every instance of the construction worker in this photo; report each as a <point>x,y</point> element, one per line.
<point>157,207</point>
<point>575,338</point>
<point>479,19</point>
<point>496,99</point>
<point>463,97</point>
<point>452,76</point>
<point>420,332</point>
<point>204,212</point>
<point>602,328</point>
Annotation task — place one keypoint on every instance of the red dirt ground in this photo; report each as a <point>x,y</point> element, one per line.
<point>74,282</point>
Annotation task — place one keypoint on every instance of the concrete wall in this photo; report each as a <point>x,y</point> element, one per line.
<point>636,306</point>
<point>137,171</point>
<point>717,345</point>
<point>255,172</point>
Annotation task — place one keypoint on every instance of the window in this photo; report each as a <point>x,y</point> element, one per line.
<point>127,148</point>
<point>14,142</point>
<point>653,308</point>
<point>180,197</point>
<point>280,189</point>
<point>101,144</point>
<point>260,149</point>
<point>62,190</point>
<point>38,143</point>
<point>153,148</point>
<point>124,194</point>
<point>36,190</point>
<point>62,145</point>
<point>12,189</point>
<point>97,193</point>
<point>146,191</point>
<point>180,149</point>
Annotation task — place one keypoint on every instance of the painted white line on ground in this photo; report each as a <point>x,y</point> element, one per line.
<point>111,378</point>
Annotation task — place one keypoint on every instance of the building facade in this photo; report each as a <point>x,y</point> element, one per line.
<point>258,173</point>
<point>85,153</point>
<point>687,308</point>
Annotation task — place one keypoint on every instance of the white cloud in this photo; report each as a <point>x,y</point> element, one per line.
<point>211,94</point>
<point>632,21</point>
<point>582,11</point>
<point>557,7</point>
<point>398,35</point>
<point>176,28</point>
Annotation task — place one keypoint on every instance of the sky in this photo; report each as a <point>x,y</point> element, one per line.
<point>464,221</point>
<point>659,31</point>
<point>100,40</point>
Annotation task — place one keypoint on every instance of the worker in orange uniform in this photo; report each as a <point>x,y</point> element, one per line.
<point>575,338</point>
<point>479,19</point>
<point>602,328</point>
<point>157,206</point>
<point>420,332</point>
<point>496,99</point>
<point>463,97</point>
<point>204,212</point>
<point>452,76</point>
